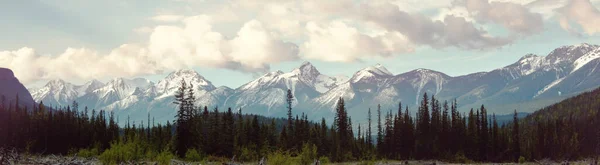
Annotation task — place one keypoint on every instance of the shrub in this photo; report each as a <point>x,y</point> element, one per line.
<point>121,152</point>
<point>308,154</point>
<point>165,157</point>
<point>212,158</point>
<point>88,153</point>
<point>248,155</point>
<point>193,155</point>
<point>151,154</point>
<point>368,162</point>
<point>522,160</point>
<point>280,158</point>
<point>324,160</point>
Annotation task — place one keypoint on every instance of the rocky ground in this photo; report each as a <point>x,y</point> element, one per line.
<point>10,157</point>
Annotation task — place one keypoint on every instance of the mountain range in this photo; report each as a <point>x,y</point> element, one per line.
<point>526,85</point>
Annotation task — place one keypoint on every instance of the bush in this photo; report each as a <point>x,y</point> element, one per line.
<point>212,158</point>
<point>324,160</point>
<point>165,157</point>
<point>308,154</point>
<point>522,160</point>
<point>122,152</point>
<point>368,162</point>
<point>88,153</point>
<point>151,154</point>
<point>193,155</point>
<point>248,155</point>
<point>280,158</point>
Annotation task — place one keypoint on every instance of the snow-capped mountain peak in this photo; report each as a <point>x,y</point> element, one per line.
<point>377,70</point>
<point>169,85</point>
<point>265,79</point>
<point>581,61</point>
<point>56,92</point>
<point>306,73</point>
<point>88,87</point>
<point>570,53</point>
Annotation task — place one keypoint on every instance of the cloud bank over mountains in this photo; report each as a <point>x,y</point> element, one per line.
<point>271,32</point>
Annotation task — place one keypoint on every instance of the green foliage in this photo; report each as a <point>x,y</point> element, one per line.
<point>88,153</point>
<point>367,162</point>
<point>247,154</point>
<point>212,158</point>
<point>324,160</point>
<point>119,153</point>
<point>558,132</point>
<point>193,155</point>
<point>281,158</point>
<point>522,160</point>
<point>308,154</point>
<point>165,157</point>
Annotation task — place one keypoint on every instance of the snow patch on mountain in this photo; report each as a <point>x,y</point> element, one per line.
<point>376,71</point>
<point>547,87</point>
<point>586,59</point>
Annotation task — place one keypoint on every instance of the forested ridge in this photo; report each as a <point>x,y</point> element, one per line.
<point>568,130</point>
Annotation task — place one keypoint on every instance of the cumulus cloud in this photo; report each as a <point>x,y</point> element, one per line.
<point>339,42</point>
<point>452,31</point>
<point>513,16</point>
<point>581,12</point>
<point>79,64</point>
<point>194,44</point>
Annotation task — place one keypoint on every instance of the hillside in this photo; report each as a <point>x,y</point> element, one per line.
<point>565,130</point>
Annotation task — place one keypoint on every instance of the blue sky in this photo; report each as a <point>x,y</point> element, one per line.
<point>231,42</point>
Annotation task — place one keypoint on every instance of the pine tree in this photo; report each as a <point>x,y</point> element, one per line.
<point>516,146</point>
<point>290,121</point>
<point>343,126</point>
<point>181,136</point>
<point>484,134</point>
<point>424,138</point>
<point>409,140</point>
<point>379,131</point>
<point>495,137</point>
<point>369,133</point>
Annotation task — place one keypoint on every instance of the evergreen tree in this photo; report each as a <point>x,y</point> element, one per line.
<point>516,146</point>
<point>424,138</point>
<point>369,133</point>
<point>181,134</point>
<point>379,131</point>
<point>290,141</point>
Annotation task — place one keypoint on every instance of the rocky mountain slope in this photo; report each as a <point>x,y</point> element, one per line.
<point>528,84</point>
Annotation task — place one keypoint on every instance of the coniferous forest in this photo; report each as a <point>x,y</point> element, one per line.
<point>568,130</point>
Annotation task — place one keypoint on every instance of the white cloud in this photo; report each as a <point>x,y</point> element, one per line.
<point>339,42</point>
<point>167,18</point>
<point>194,44</point>
<point>581,12</point>
<point>419,29</point>
<point>78,64</point>
<point>513,16</point>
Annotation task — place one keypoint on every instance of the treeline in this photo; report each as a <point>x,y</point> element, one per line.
<point>440,131</point>
<point>565,131</point>
<point>43,130</point>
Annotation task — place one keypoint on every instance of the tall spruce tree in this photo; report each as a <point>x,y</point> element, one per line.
<point>181,134</point>
<point>379,131</point>
<point>516,145</point>
<point>369,133</point>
